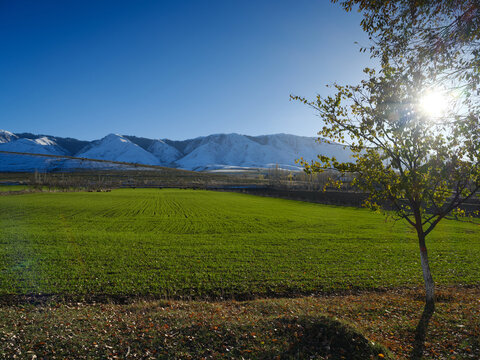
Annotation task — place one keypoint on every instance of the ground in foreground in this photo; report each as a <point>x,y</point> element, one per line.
<point>299,328</point>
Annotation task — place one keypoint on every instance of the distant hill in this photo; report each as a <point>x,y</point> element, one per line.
<point>71,145</point>
<point>213,152</point>
<point>7,136</point>
<point>117,148</point>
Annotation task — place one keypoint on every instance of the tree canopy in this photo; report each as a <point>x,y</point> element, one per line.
<point>442,36</point>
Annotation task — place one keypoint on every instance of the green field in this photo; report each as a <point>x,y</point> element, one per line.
<point>192,243</point>
<point>6,188</point>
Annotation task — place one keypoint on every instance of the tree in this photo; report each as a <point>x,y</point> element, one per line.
<point>442,35</point>
<point>419,163</point>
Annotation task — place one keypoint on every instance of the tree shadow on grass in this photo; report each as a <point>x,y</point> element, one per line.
<point>421,332</point>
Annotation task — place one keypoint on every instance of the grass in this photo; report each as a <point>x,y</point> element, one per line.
<point>8,188</point>
<point>202,244</point>
<point>148,247</point>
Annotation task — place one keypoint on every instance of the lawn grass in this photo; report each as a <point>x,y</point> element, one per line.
<point>200,244</point>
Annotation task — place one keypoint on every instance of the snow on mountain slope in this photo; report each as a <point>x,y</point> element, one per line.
<point>16,162</point>
<point>71,145</point>
<point>216,151</point>
<point>226,150</point>
<point>6,136</point>
<point>24,163</point>
<point>117,148</point>
<point>292,146</point>
<point>165,153</point>
<point>41,145</point>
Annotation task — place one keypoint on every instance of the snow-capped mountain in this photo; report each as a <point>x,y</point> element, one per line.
<point>6,136</point>
<point>227,150</point>
<point>213,152</point>
<point>292,146</point>
<point>117,148</point>
<point>41,145</point>
<point>17,162</point>
<point>165,153</point>
<point>217,151</point>
<point>70,145</point>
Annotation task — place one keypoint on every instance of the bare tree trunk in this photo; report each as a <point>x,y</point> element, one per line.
<point>421,331</point>
<point>427,275</point>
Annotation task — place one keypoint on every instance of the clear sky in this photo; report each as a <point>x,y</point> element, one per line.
<point>171,69</point>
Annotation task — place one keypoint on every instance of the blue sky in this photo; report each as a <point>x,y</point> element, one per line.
<point>171,69</point>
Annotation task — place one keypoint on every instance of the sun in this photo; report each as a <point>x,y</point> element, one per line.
<point>434,103</point>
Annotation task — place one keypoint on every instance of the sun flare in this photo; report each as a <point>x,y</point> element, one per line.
<point>433,104</point>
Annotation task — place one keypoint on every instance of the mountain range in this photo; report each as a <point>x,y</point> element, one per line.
<point>216,152</point>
